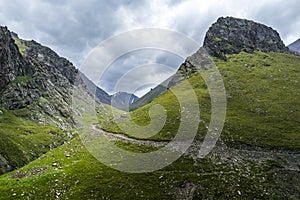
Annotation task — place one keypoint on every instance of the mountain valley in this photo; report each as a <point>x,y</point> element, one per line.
<point>42,153</point>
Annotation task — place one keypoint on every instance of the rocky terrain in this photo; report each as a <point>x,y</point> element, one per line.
<point>231,35</point>
<point>36,112</point>
<point>36,78</point>
<point>12,63</point>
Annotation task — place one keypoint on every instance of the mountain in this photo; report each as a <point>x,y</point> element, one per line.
<point>256,157</point>
<point>32,74</point>
<point>122,100</point>
<point>36,112</point>
<point>295,46</point>
<point>228,35</point>
<point>38,78</point>
<point>231,35</point>
<point>262,90</point>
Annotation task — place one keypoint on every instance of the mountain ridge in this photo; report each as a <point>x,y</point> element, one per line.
<point>36,87</point>
<point>228,35</point>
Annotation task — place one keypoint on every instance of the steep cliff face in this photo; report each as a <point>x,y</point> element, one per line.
<point>231,35</point>
<point>39,80</point>
<point>12,63</point>
<point>36,111</point>
<point>35,78</point>
<point>97,92</point>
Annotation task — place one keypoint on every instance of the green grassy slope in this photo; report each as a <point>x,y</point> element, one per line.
<point>263,110</point>
<point>23,140</point>
<point>80,176</point>
<point>263,91</point>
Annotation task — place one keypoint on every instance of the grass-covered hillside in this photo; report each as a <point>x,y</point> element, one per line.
<point>23,140</point>
<point>259,159</point>
<point>70,172</point>
<point>263,92</point>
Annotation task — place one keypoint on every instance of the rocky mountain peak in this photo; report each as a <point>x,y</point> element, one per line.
<point>231,35</point>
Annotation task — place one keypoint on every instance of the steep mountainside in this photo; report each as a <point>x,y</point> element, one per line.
<point>40,81</point>
<point>295,46</point>
<point>276,74</point>
<point>36,111</point>
<point>43,85</point>
<point>228,35</point>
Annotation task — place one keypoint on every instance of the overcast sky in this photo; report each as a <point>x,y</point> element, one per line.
<point>73,28</point>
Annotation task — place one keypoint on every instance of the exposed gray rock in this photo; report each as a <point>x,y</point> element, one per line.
<point>14,35</point>
<point>39,75</point>
<point>39,80</point>
<point>41,83</point>
<point>12,63</point>
<point>231,35</point>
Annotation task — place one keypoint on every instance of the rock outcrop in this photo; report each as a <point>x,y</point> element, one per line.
<point>38,80</point>
<point>12,63</point>
<point>231,35</point>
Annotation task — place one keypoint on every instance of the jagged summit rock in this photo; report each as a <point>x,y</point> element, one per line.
<point>231,35</point>
<point>295,46</point>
